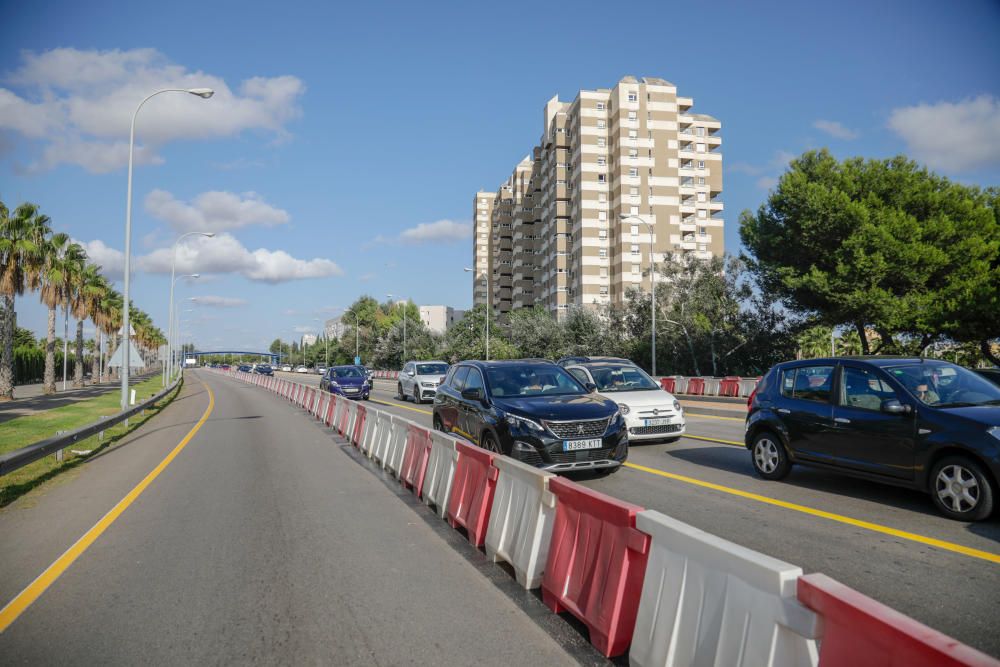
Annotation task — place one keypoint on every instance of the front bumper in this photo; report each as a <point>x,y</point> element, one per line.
<point>428,393</point>
<point>639,431</point>
<point>360,394</point>
<point>546,452</point>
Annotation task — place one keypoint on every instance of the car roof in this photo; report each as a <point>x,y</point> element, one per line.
<point>882,361</point>
<point>605,363</point>
<point>508,363</point>
<point>427,361</point>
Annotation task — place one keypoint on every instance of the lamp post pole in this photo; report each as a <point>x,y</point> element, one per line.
<point>489,306</point>
<point>203,93</point>
<point>170,326</point>
<point>170,310</point>
<point>652,286</point>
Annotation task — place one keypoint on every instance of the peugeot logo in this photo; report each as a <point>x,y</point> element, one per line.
<point>579,429</point>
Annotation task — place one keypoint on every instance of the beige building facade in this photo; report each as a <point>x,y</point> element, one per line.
<point>613,170</point>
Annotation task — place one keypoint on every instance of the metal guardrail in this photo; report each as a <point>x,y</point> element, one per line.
<point>19,458</point>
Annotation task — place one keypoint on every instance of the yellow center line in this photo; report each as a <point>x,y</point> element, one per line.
<point>732,419</point>
<point>885,530</point>
<point>725,442</point>
<point>399,405</point>
<point>34,590</point>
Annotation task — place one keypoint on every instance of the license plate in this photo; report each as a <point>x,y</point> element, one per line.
<point>662,421</point>
<point>574,445</point>
<point>351,391</point>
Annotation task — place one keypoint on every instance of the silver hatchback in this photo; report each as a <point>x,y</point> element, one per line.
<point>419,380</point>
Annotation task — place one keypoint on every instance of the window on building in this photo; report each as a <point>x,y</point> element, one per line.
<point>700,131</point>
<point>633,97</point>
<point>602,178</point>
<point>602,215</point>
<point>603,235</point>
<point>602,197</point>
<point>635,269</point>
<point>633,191</point>
<point>604,291</point>
<point>635,229</point>
<point>633,172</point>
<point>633,152</point>
<point>601,161</point>
<point>601,125</point>
<point>633,210</point>
<point>602,253</point>
<point>700,148</point>
<point>703,247</point>
<point>600,106</point>
<point>602,142</point>
<point>701,196</point>
<point>635,249</point>
<point>604,272</point>
<point>701,164</point>
<point>702,213</point>
<point>632,115</point>
<point>701,180</point>
<point>702,231</point>
<point>633,134</point>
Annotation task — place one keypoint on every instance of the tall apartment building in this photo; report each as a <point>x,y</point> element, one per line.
<point>482,213</point>
<point>572,224</point>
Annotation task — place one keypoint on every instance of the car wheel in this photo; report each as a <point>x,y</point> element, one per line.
<point>416,395</point>
<point>769,457</point>
<point>490,444</point>
<point>399,391</point>
<point>961,490</point>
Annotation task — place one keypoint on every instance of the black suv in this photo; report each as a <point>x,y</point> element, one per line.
<point>919,423</point>
<point>573,360</point>
<point>533,411</point>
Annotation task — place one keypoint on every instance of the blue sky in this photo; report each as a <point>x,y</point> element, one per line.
<point>337,129</point>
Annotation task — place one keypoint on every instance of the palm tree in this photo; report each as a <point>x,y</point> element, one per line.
<point>814,342</point>
<point>110,321</point>
<point>21,255</point>
<point>88,289</point>
<point>61,258</point>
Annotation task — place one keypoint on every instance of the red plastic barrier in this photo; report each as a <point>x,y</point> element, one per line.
<point>729,386</point>
<point>597,560</point>
<point>860,632</point>
<point>472,490</point>
<point>359,425</point>
<point>345,418</point>
<point>696,386</point>
<point>418,452</point>
<point>668,384</point>
<point>330,406</point>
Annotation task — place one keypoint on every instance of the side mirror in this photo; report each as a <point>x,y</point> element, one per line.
<point>894,407</point>
<point>591,387</point>
<point>410,373</point>
<point>473,394</point>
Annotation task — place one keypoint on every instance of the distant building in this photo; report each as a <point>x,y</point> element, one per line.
<point>440,318</point>
<point>334,328</point>
<point>308,339</point>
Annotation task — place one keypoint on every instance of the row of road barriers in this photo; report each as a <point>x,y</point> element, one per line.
<point>641,582</point>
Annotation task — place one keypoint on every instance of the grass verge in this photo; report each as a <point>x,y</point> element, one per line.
<point>23,431</point>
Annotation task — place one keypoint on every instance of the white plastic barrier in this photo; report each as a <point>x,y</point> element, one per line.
<point>397,446</point>
<point>680,384</point>
<point>520,527</point>
<point>712,386</point>
<point>440,471</point>
<point>707,601</point>
<point>369,433</point>
<point>352,417</point>
<point>383,434</point>
<point>747,387</point>
<point>338,413</point>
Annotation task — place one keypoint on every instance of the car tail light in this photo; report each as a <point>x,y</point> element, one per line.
<point>750,399</point>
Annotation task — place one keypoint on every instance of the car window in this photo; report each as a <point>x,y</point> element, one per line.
<point>533,381</point>
<point>458,379</point>
<point>474,380</point>
<point>810,383</point>
<point>622,378</point>
<point>432,369</point>
<point>579,374</point>
<point>860,388</point>
<point>346,372</point>
<point>943,384</point>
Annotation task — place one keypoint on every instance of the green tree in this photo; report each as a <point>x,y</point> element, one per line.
<point>880,243</point>
<point>815,342</point>
<point>535,333</point>
<point>24,338</point>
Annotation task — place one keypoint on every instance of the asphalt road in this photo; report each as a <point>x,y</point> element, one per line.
<point>953,586</point>
<point>261,541</point>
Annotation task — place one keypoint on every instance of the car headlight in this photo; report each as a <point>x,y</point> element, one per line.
<point>522,422</point>
<point>624,409</point>
<point>994,431</point>
<point>334,383</point>
<point>428,384</point>
<point>677,405</point>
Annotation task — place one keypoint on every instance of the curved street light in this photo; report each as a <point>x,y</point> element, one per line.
<point>171,331</point>
<point>203,93</point>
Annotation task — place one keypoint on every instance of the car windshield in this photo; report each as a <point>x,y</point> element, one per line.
<point>944,385</point>
<point>507,381</point>
<point>349,372</point>
<point>622,378</point>
<point>432,369</point>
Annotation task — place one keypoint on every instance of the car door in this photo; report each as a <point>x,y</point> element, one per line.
<point>866,438</point>
<point>803,404</point>
<point>407,379</point>
<point>451,396</point>
<point>470,413</point>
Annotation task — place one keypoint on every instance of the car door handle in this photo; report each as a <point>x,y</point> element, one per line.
<point>842,420</point>
<point>784,411</point>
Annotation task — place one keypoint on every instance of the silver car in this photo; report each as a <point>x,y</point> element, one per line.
<point>419,380</point>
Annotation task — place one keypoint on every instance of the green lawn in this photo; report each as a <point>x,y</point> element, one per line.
<point>26,430</point>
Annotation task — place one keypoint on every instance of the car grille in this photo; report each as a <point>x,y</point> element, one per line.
<point>582,429</point>
<point>655,430</point>
<point>583,455</point>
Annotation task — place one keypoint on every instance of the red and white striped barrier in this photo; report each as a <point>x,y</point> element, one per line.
<point>641,581</point>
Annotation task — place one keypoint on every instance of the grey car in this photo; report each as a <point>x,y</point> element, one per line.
<point>419,380</point>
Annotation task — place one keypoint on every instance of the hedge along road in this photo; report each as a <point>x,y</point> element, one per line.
<point>887,542</point>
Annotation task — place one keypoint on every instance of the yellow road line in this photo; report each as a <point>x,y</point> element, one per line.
<point>885,530</point>
<point>732,419</point>
<point>400,405</point>
<point>34,590</point>
<point>725,442</point>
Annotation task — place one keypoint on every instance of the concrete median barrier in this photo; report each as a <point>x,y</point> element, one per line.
<point>597,560</point>
<point>472,490</point>
<point>858,631</point>
<point>440,472</point>
<point>708,601</point>
<point>418,449</point>
<point>521,519</point>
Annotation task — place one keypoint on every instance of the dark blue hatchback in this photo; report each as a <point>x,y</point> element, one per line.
<point>533,411</point>
<point>349,381</point>
<point>920,423</point>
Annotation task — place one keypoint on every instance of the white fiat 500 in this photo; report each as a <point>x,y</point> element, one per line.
<point>650,412</point>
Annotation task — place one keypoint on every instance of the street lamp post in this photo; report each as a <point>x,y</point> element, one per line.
<point>177,328</point>
<point>173,268</point>
<point>203,93</point>
<point>405,304</point>
<point>170,322</point>
<point>489,307</point>
<point>652,286</point>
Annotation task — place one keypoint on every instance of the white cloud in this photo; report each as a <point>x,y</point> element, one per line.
<point>225,254</point>
<point>430,232</point>
<point>111,261</point>
<point>951,136</point>
<point>79,105</point>
<point>218,301</point>
<point>766,182</point>
<point>835,129</point>
<point>214,211</point>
